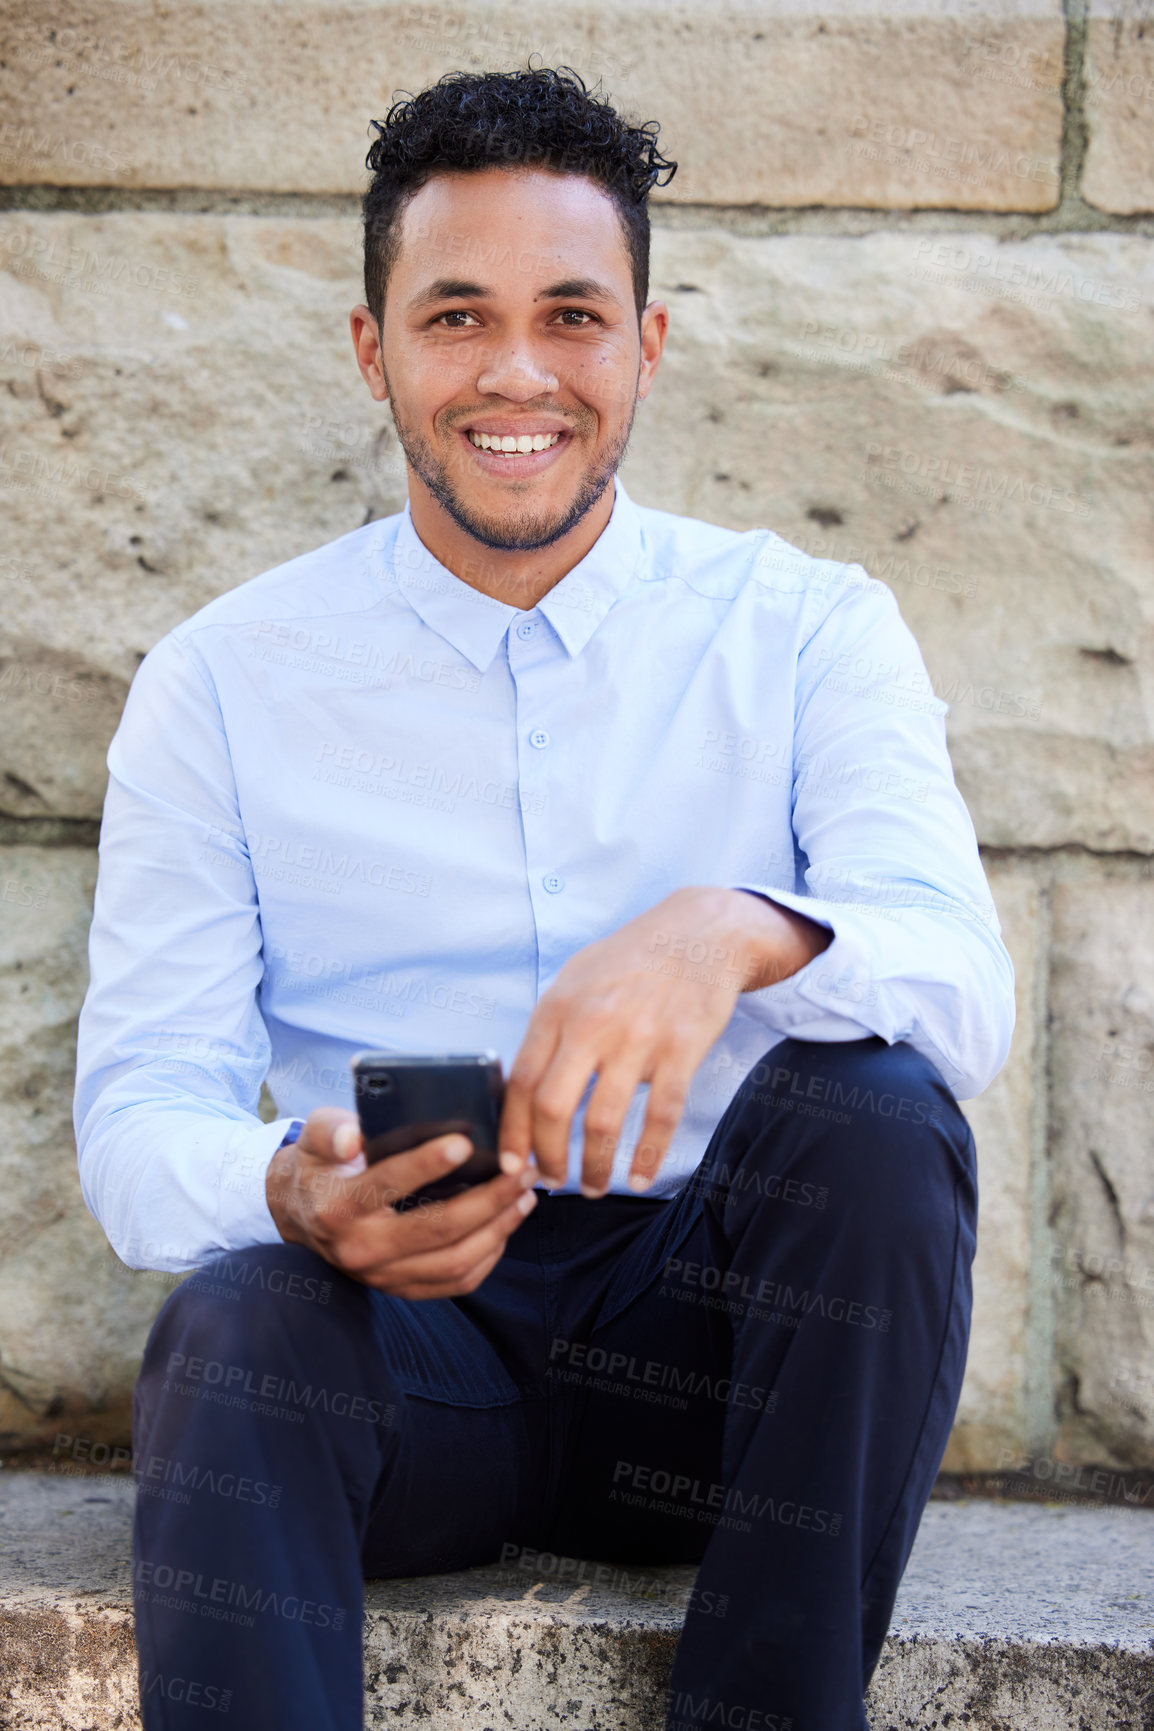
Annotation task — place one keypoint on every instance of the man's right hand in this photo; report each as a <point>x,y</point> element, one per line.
<point>322,1194</point>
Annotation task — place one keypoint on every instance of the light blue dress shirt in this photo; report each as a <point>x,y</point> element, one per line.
<point>355,802</point>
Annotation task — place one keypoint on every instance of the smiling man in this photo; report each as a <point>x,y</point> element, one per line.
<point>663,814</point>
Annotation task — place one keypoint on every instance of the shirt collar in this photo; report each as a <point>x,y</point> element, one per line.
<point>475,624</point>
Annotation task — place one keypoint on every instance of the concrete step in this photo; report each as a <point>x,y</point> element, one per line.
<point>1011,1617</point>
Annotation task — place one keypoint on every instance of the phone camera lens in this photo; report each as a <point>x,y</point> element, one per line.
<point>379,1085</point>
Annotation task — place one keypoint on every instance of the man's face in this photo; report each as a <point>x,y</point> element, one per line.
<point>509,315</point>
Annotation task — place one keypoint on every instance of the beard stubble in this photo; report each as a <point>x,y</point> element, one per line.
<point>515,531</point>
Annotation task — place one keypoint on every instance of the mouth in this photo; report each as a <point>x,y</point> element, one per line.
<point>531,455</point>
<point>509,445</point>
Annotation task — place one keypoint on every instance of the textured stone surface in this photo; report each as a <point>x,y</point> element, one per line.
<point>964,417</point>
<point>1103,1132</point>
<point>1018,1616</point>
<point>993,1413</point>
<point>953,104</point>
<point>72,1319</point>
<point>1118,174</point>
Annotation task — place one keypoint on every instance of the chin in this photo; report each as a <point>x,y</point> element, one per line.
<point>528,518</point>
<point>513,530</point>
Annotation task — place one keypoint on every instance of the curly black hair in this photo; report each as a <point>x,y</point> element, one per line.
<point>538,118</point>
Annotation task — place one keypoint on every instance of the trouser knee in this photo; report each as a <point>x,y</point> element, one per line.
<point>859,1126</point>
<point>241,1308</point>
<point>851,1082</point>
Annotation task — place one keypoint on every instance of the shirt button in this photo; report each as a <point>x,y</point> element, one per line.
<point>540,739</point>
<point>553,883</point>
<point>526,628</point>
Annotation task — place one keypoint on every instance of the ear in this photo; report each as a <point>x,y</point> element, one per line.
<point>367,347</point>
<point>654,328</point>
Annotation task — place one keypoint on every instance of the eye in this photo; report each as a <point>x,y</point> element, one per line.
<point>580,311</point>
<point>456,313</point>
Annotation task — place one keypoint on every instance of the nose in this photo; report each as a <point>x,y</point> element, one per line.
<point>515,373</point>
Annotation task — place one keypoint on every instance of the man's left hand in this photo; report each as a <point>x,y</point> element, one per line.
<point>644,1004</point>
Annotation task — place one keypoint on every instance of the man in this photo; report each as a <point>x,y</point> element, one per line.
<point>663,814</point>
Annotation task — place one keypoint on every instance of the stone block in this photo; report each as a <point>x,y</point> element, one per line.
<point>954,104</point>
<point>1118,173</point>
<point>1006,1616</point>
<point>994,1417</point>
<point>73,1319</point>
<point>966,418</point>
<point>45,909</point>
<point>1102,1067</point>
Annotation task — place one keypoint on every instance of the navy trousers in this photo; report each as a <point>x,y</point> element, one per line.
<point>758,1376</point>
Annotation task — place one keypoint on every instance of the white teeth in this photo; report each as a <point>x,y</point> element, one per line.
<point>509,446</point>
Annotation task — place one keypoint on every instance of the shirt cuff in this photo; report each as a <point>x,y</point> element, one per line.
<point>245,1218</point>
<point>825,999</point>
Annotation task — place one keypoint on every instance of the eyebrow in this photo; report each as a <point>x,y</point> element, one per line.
<point>447,288</point>
<point>579,288</point>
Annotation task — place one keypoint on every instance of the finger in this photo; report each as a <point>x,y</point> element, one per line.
<point>438,1224</point>
<point>604,1116</point>
<point>400,1174</point>
<point>555,1099</point>
<point>340,1192</point>
<point>448,1269</point>
<point>365,1232</point>
<point>454,1263</point>
<point>667,1095</point>
<point>416,1290</point>
<point>515,1133</point>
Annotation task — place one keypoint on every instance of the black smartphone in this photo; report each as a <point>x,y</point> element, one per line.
<point>403,1101</point>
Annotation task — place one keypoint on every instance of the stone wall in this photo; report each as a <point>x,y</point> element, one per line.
<point>909,256</point>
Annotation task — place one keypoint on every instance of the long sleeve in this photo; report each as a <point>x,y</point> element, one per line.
<point>889,857</point>
<point>172,1046</point>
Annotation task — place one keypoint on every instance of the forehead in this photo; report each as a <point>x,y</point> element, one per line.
<point>510,227</point>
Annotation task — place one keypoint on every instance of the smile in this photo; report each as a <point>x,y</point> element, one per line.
<point>509,446</point>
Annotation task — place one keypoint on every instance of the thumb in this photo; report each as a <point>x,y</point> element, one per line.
<point>333,1135</point>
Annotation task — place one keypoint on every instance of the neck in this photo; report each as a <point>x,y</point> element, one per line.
<point>519,579</point>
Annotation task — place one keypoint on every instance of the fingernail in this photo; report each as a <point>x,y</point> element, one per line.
<point>457,1150</point>
<point>638,1181</point>
<point>510,1162</point>
<point>344,1140</point>
<point>590,1194</point>
<point>526,1202</point>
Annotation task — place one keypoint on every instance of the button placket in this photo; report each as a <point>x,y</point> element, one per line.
<point>533,656</point>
